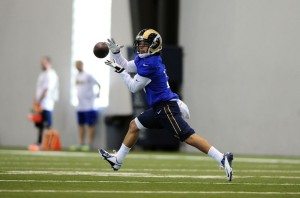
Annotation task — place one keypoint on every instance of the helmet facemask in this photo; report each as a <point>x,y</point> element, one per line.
<point>142,47</point>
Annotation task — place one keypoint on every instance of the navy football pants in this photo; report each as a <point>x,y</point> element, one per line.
<point>166,115</point>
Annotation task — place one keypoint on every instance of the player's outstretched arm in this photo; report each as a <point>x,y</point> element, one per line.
<point>118,68</point>
<point>118,57</point>
<point>129,66</point>
<point>136,83</point>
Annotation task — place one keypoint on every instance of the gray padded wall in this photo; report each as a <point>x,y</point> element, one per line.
<point>242,73</point>
<point>29,30</point>
<point>33,28</point>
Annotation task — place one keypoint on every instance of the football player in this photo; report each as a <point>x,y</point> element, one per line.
<point>166,110</point>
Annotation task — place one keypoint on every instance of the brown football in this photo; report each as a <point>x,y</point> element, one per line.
<point>101,50</point>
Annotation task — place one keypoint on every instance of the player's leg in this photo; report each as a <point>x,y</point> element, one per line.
<point>91,122</point>
<point>116,160</point>
<point>40,128</point>
<point>80,131</point>
<point>202,144</point>
<point>199,142</point>
<point>170,117</point>
<point>81,120</point>
<point>81,134</point>
<point>45,124</point>
<point>131,135</point>
<point>225,160</point>
<point>129,141</point>
<point>144,120</point>
<point>47,115</point>
<point>91,134</point>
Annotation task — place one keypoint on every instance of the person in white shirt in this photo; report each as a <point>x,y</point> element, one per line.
<point>46,95</point>
<point>87,115</point>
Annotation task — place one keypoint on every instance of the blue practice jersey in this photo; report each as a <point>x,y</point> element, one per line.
<point>158,89</point>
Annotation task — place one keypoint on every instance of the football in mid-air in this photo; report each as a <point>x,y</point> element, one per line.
<point>101,50</point>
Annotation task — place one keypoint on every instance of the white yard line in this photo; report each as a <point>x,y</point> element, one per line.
<point>136,174</point>
<point>150,192</point>
<point>216,170</point>
<point>108,174</point>
<point>144,182</point>
<point>211,170</point>
<point>151,156</point>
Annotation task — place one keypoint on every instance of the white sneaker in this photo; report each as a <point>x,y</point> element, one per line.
<point>111,159</point>
<point>227,165</point>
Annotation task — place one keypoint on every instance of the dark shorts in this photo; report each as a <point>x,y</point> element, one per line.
<point>166,115</point>
<point>46,120</point>
<point>87,117</point>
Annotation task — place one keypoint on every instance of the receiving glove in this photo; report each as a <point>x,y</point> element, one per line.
<point>113,47</point>
<point>118,68</point>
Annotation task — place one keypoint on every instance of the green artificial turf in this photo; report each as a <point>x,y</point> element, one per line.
<point>144,174</point>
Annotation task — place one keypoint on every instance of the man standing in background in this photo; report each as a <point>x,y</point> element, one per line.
<point>87,115</point>
<point>46,95</point>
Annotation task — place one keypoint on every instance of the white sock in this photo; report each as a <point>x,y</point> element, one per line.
<point>215,154</point>
<point>122,152</point>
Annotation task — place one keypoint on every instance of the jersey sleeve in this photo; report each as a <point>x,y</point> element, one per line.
<point>136,83</point>
<point>129,66</point>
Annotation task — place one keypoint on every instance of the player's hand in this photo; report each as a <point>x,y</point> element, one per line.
<point>118,68</point>
<point>113,46</point>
